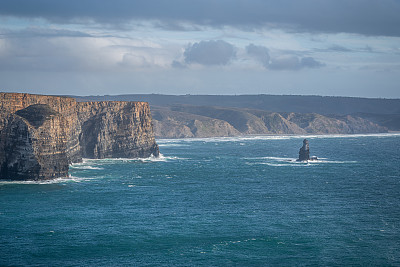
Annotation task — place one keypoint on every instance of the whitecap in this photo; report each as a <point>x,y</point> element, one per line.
<point>85,167</point>
<point>152,158</point>
<point>284,165</point>
<point>332,161</point>
<point>281,161</point>
<point>272,158</point>
<point>161,157</point>
<point>70,178</point>
<point>170,145</point>
<point>272,137</point>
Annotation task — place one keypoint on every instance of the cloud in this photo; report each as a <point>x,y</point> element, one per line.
<point>289,62</point>
<point>209,53</point>
<point>339,48</point>
<point>260,53</point>
<point>335,48</point>
<point>309,62</point>
<point>285,61</point>
<point>177,65</point>
<point>41,32</point>
<point>61,52</point>
<point>368,17</point>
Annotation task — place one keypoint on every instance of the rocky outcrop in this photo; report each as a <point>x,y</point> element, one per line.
<point>304,153</point>
<point>41,135</point>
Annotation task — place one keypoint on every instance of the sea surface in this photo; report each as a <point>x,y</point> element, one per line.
<point>214,202</point>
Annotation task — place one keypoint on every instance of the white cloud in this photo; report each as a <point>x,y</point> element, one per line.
<point>155,60</point>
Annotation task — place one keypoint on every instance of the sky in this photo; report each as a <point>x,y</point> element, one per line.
<point>285,47</point>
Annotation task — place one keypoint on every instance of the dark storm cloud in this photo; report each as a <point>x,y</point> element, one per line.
<point>210,53</point>
<point>369,17</point>
<point>260,53</point>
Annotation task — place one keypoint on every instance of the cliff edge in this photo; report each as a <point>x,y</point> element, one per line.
<point>41,135</point>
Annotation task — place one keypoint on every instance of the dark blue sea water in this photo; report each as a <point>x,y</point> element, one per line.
<point>214,202</point>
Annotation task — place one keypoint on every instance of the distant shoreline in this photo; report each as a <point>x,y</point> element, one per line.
<point>397,133</point>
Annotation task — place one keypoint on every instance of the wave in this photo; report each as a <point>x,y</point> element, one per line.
<point>61,180</point>
<point>80,166</point>
<point>270,137</point>
<point>160,158</point>
<point>280,162</point>
<point>170,145</point>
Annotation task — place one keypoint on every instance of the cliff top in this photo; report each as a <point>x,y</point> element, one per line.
<point>36,114</point>
<point>5,95</point>
<point>28,94</point>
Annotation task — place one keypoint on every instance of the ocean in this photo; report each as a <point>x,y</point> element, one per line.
<point>241,201</point>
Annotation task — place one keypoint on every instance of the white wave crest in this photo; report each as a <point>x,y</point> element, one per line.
<point>270,137</point>
<point>170,145</point>
<point>284,162</point>
<point>61,180</point>
<point>283,165</point>
<point>152,158</point>
<point>85,167</point>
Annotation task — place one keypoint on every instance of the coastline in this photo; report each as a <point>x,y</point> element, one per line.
<point>282,136</point>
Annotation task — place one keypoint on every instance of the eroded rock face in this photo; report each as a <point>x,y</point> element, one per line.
<point>41,135</point>
<point>116,130</point>
<point>304,153</point>
<point>35,145</point>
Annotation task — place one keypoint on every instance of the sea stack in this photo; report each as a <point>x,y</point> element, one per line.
<point>304,153</point>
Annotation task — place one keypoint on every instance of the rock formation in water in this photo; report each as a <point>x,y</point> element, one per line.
<point>41,135</point>
<point>304,153</point>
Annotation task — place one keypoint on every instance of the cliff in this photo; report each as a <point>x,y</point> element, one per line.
<point>116,130</point>
<point>175,124</point>
<point>379,111</point>
<point>41,135</point>
<point>180,121</point>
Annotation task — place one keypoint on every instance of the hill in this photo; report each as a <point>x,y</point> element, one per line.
<point>208,115</point>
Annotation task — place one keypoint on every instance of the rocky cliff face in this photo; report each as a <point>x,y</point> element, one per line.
<point>34,147</point>
<point>174,124</point>
<point>180,121</point>
<point>41,135</point>
<point>116,130</point>
<point>11,102</point>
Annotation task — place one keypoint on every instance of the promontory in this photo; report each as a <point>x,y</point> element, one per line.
<point>41,135</point>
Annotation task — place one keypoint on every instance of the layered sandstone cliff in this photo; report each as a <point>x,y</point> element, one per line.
<point>41,135</point>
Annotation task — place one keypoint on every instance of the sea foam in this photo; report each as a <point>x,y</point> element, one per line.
<point>61,180</point>
<point>178,142</point>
